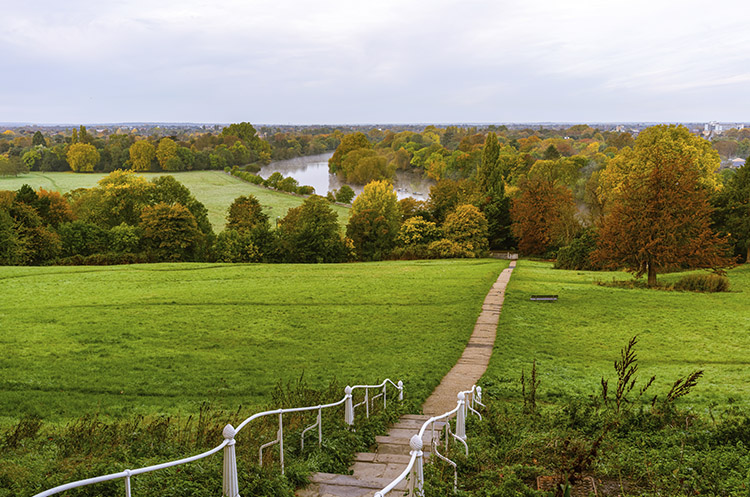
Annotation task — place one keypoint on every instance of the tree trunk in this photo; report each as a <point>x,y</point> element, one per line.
<point>747,257</point>
<point>651,275</point>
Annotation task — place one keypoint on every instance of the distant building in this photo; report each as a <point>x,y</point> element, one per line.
<point>736,163</point>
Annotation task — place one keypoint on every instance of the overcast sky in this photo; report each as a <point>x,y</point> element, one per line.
<point>384,61</point>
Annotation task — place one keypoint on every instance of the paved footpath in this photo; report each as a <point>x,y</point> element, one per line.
<point>373,471</point>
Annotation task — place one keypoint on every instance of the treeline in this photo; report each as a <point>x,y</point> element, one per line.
<point>128,219</point>
<point>237,145</point>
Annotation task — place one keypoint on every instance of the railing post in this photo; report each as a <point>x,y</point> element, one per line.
<point>385,395</point>
<point>400,390</point>
<point>127,483</point>
<point>479,394</point>
<point>281,443</point>
<point>461,416</point>
<point>416,448</point>
<point>348,406</point>
<point>231,487</point>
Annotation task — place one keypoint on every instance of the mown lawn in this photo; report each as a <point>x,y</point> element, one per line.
<point>576,339</point>
<point>164,338</point>
<point>215,189</point>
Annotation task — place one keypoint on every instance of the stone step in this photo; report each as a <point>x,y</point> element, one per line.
<point>331,485</point>
<point>382,458</point>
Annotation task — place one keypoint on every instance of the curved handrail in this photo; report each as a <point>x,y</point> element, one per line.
<point>130,472</point>
<point>230,472</point>
<point>410,466</point>
<point>462,402</point>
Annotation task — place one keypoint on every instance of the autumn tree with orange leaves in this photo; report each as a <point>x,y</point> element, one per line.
<point>659,216</point>
<point>543,216</point>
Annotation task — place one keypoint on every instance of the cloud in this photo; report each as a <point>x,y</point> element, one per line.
<point>343,61</point>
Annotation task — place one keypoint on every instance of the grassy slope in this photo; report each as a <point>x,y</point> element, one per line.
<point>576,339</point>
<point>166,337</point>
<point>215,189</point>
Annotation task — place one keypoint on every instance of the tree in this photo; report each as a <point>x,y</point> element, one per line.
<point>660,216</point>
<point>170,232</point>
<point>310,234</point>
<point>38,140</point>
<point>82,157</point>
<point>488,173</point>
<point>166,151</point>
<point>467,227</point>
<point>732,213</point>
<point>245,214</point>
<point>348,143</point>
<point>375,221</point>
<point>543,216</point>
<point>345,194</point>
<point>141,155</point>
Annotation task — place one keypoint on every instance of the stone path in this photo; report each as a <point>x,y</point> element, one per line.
<point>373,471</point>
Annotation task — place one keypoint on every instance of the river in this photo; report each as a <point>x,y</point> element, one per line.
<point>313,170</point>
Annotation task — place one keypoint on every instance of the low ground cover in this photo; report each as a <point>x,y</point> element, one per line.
<point>163,338</point>
<point>575,340</point>
<point>215,189</point>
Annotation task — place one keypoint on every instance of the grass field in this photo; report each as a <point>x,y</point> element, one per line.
<point>166,337</point>
<point>215,189</point>
<point>576,339</point>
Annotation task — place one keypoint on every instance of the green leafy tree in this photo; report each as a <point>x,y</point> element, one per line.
<point>310,234</point>
<point>166,151</point>
<point>170,233</point>
<point>38,140</point>
<point>345,194</point>
<point>142,153</point>
<point>82,157</point>
<point>732,213</point>
<point>348,143</point>
<point>245,214</point>
<point>467,227</point>
<point>375,221</point>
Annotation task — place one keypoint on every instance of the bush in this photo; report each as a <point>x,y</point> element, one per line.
<point>417,231</point>
<point>306,190</point>
<point>448,249</point>
<point>703,283</point>
<point>577,254</point>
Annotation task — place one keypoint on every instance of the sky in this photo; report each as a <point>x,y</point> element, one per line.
<point>385,61</point>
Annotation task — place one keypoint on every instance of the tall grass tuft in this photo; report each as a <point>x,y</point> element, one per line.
<point>708,283</point>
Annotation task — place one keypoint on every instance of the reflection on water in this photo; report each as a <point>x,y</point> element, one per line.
<point>313,170</point>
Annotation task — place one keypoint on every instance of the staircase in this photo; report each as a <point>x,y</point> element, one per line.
<point>374,470</point>
<point>371,472</point>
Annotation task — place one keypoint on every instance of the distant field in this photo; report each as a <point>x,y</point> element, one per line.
<point>166,337</point>
<point>576,339</point>
<point>215,189</point>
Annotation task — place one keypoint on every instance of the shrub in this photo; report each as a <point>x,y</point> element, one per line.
<point>448,249</point>
<point>236,246</point>
<point>306,190</point>
<point>577,254</point>
<point>417,231</point>
<point>703,283</point>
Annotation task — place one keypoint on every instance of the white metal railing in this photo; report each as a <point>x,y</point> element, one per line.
<point>467,400</point>
<point>230,487</point>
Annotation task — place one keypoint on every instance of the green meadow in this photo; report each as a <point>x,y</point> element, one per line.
<point>576,339</point>
<point>215,189</point>
<point>163,338</point>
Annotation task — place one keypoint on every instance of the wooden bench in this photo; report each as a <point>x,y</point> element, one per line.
<point>544,298</point>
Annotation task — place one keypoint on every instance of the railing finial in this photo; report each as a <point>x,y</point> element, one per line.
<point>231,486</point>
<point>348,406</point>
